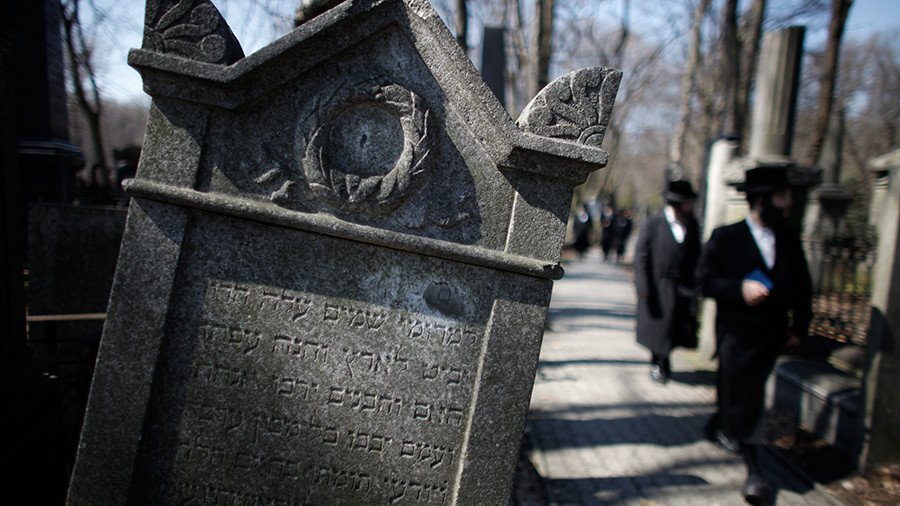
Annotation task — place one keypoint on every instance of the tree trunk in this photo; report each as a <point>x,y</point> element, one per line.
<point>82,70</point>
<point>730,68</point>
<point>676,150</point>
<point>602,182</point>
<point>543,45</point>
<point>522,62</point>
<point>624,34</point>
<point>462,25</point>
<point>839,10</point>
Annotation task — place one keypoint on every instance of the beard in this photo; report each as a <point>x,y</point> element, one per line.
<point>772,216</point>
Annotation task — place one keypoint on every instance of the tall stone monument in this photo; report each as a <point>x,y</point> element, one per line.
<point>827,205</point>
<point>336,266</point>
<point>493,61</point>
<point>774,115</point>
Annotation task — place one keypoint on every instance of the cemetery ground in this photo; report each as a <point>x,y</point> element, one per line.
<point>601,432</point>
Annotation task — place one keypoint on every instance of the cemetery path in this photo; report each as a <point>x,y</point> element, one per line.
<point>603,433</point>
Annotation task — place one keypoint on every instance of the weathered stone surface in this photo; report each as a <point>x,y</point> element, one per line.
<point>575,107</point>
<point>192,29</point>
<point>337,265</point>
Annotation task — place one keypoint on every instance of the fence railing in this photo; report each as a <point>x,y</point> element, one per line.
<point>842,268</point>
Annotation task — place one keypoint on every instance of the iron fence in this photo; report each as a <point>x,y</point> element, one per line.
<point>842,268</point>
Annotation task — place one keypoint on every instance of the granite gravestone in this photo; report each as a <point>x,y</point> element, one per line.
<point>336,266</point>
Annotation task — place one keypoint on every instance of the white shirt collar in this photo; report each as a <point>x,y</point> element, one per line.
<point>765,240</point>
<point>676,226</point>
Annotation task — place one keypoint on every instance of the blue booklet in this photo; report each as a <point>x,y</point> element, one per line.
<point>760,276</point>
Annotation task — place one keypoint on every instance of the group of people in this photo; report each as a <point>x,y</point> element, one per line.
<point>616,226</point>
<point>756,272</point>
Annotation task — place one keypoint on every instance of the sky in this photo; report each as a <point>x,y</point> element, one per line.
<point>259,22</point>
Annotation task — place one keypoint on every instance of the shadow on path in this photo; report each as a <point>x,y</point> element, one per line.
<point>695,378</point>
<point>591,312</point>
<point>590,361</point>
<point>638,407</point>
<point>648,429</point>
<point>615,489</point>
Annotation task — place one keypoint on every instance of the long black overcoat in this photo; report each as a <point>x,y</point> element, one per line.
<point>664,279</point>
<point>750,338</point>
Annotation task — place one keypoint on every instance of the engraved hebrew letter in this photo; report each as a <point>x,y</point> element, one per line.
<point>336,396</point>
<point>454,417</point>
<point>331,312</point>
<point>422,411</point>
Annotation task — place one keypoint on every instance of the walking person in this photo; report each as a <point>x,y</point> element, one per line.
<point>665,260</point>
<point>606,235</point>
<point>756,271</point>
<point>621,231</point>
<point>582,227</point>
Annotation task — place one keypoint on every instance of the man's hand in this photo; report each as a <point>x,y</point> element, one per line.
<point>754,292</point>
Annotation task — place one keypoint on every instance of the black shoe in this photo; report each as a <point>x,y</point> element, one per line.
<point>757,490</point>
<point>727,443</point>
<point>711,427</point>
<point>659,375</point>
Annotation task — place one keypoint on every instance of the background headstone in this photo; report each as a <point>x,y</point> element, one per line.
<point>336,266</point>
<point>71,262</point>
<point>881,429</point>
<point>493,61</point>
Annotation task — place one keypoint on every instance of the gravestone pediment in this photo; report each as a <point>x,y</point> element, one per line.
<point>336,268</point>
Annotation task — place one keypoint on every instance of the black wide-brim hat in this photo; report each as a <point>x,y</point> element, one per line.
<point>680,191</point>
<point>765,180</point>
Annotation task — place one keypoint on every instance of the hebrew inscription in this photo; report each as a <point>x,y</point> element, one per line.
<point>276,369</point>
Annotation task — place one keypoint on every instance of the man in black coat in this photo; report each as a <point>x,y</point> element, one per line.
<point>665,259</point>
<point>756,271</point>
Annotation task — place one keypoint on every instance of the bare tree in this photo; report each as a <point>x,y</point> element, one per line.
<point>828,79</point>
<point>519,63</point>
<point>688,77</point>
<point>730,67</point>
<point>869,79</point>
<point>462,25</point>
<point>84,82</point>
<point>543,44</point>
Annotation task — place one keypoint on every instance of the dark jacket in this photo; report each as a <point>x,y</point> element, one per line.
<point>729,256</point>
<point>749,338</point>
<point>664,279</point>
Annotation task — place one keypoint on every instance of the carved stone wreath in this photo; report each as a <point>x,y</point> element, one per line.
<point>367,147</point>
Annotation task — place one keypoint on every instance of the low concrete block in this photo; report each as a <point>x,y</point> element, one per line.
<point>824,400</point>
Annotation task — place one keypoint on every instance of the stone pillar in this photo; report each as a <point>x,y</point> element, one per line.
<point>722,153</point>
<point>774,112</point>
<point>717,195</point>
<point>880,168</point>
<point>775,103</point>
<point>881,390</point>
<point>827,205</point>
<point>47,160</point>
<point>493,61</point>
